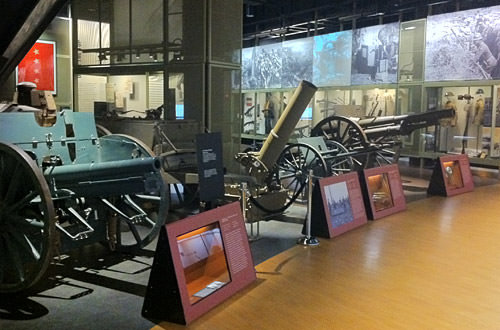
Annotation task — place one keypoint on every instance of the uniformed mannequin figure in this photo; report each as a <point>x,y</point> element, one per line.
<point>268,114</point>
<point>450,104</point>
<point>468,108</point>
<point>447,124</point>
<point>479,108</point>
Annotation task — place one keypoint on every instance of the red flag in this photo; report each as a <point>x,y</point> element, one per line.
<point>38,66</point>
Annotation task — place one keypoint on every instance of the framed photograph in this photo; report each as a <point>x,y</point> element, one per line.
<point>383,191</point>
<point>200,261</point>
<point>342,206</point>
<point>451,176</point>
<point>39,66</point>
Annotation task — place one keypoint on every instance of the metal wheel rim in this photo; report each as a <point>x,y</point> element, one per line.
<point>27,220</point>
<point>342,130</point>
<point>293,163</point>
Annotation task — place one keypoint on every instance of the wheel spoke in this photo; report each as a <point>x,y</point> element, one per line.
<point>13,186</point>
<point>24,242</point>
<point>15,257</point>
<point>22,202</point>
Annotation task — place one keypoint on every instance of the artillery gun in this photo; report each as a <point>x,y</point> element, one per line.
<point>62,186</point>
<point>337,145</point>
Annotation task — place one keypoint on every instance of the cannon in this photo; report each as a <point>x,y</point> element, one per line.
<point>336,145</point>
<point>62,187</point>
<point>368,139</point>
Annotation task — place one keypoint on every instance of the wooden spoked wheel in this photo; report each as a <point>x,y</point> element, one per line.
<point>27,221</point>
<point>342,130</point>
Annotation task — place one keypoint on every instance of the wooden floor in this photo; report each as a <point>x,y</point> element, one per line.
<point>434,266</point>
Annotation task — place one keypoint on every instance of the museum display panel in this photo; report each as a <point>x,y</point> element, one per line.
<point>451,176</point>
<point>338,207</point>
<point>200,261</point>
<point>383,191</point>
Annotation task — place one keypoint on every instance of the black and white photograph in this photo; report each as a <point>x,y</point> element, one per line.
<point>464,45</point>
<point>338,203</point>
<point>297,62</point>
<point>332,59</point>
<point>375,54</point>
<point>261,67</point>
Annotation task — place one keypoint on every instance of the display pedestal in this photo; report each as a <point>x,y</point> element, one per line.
<point>451,176</point>
<point>337,206</point>
<point>199,262</point>
<point>382,191</point>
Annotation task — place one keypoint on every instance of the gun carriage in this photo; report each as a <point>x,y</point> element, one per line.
<point>62,186</point>
<point>337,145</point>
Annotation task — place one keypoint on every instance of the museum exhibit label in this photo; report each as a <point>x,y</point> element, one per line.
<point>383,191</point>
<point>200,261</point>
<point>337,205</point>
<point>451,176</point>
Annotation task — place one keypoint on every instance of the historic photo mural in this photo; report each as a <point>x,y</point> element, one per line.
<point>296,62</point>
<point>375,54</point>
<point>332,59</point>
<point>261,67</point>
<point>463,45</point>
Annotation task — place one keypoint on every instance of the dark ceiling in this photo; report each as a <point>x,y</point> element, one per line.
<point>266,21</point>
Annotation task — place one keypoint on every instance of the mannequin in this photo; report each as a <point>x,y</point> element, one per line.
<point>468,108</point>
<point>478,118</point>
<point>448,123</point>
<point>479,108</point>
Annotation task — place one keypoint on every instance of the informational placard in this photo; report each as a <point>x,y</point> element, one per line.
<point>451,176</point>
<point>39,66</point>
<point>210,166</point>
<point>337,206</point>
<point>200,261</point>
<point>383,191</point>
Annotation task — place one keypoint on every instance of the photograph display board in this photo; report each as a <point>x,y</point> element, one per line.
<point>375,54</point>
<point>451,176</point>
<point>39,66</point>
<point>463,45</point>
<point>383,191</point>
<point>297,62</point>
<point>340,207</point>
<point>261,67</point>
<point>199,262</point>
<point>332,59</point>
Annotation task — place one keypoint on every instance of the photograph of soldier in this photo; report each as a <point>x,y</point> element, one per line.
<point>339,210</point>
<point>332,59</point>
<point>463,45</point>
<point>375,54</point>
<point>297,62</point>
<point>261,67</point>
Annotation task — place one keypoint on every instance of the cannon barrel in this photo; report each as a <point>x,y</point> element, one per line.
<point>107,178</point>
<point>279,135</point>
<point>402,124</point>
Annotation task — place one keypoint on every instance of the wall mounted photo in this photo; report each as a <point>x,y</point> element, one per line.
<point>297,62</point>
<point>39,66</point>
<point>261,67</point>
<point>451,176</point>
<point>463,45</point>
<point>375,54</point>
<point>332,59</point>
<point>383,191</point>
<point>337,206</point>
<point>199,262</point>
